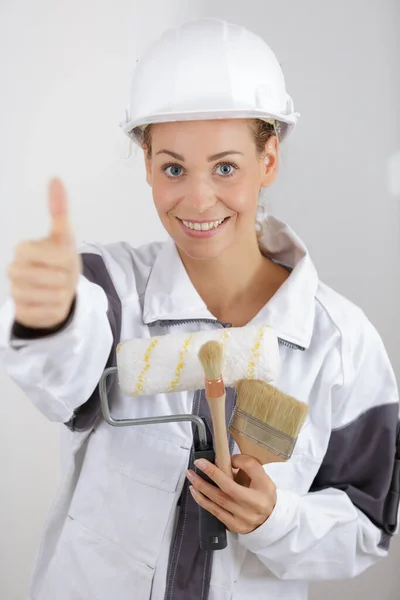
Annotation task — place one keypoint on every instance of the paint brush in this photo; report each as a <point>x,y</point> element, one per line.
<point>266,423</point>
<point>211,358</point>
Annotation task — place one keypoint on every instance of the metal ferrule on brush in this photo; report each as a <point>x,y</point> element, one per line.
<point>215,388</point>
<point>262,434</point>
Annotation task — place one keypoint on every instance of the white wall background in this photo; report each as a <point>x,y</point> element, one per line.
<point>64,83</point>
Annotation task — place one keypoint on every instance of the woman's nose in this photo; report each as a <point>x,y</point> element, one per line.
<point>201,198</point>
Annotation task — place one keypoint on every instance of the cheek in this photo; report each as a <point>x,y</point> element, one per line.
<point>242,197</point>
<point>165,196</point>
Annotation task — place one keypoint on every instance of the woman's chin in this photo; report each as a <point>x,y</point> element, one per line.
<point>202,249</point>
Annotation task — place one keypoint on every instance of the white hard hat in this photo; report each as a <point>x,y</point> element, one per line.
<point>208,69</point>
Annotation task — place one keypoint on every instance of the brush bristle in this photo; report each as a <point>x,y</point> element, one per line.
<point>269,405</point>
<point>211,356</point>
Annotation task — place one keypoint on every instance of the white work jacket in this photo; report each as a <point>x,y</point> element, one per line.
<point>111,525</point>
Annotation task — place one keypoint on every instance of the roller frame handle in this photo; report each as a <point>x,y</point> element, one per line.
<point>212,532</point>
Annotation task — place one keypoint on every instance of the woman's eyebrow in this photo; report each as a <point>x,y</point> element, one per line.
<point>210,158</point>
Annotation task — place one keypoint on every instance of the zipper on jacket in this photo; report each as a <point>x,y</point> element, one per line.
<point>170,323</point>
<point>290,344</point>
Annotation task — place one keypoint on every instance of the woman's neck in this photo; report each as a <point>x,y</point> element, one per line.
<point>236,284</point>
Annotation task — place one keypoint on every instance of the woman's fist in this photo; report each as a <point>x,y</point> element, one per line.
<point>45,273</point>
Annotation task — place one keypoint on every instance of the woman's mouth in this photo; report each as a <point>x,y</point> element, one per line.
<point>202,228</point>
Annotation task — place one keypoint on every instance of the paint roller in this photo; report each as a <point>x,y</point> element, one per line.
<point>170,363</point>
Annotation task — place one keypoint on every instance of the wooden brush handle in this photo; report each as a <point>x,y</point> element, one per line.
<point>223,456</point>
<point>242,478</point>
<point>263,455</point>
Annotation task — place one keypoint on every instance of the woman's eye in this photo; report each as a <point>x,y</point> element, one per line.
<point>226,169</point>
<point>173,171</point>
<point>176,171</point>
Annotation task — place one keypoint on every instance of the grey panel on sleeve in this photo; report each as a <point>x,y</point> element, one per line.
<point>361,461</point>
<point>95,270</point>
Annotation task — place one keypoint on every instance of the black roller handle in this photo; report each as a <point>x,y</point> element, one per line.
<point>212,532</point>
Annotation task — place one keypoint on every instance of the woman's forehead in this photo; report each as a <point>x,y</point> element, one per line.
<point>206,131</point>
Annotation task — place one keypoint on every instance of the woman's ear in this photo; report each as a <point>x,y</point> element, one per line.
<point>270,162</point>
<point>148,165</point>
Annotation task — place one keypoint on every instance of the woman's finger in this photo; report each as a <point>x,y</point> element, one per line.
<point>225,483</point>
<point>254,470</point>
<point>218,497</point>
<point>220,513</point>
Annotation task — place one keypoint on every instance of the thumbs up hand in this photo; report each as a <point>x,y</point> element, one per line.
<point>44,273</point>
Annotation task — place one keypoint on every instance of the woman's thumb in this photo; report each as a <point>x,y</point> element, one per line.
<point>60,229</point>
<point>250,466</point>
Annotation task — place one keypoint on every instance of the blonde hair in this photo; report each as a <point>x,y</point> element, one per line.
<point>262,131</point>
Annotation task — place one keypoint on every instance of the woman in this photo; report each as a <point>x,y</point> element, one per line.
<point>209,108</point>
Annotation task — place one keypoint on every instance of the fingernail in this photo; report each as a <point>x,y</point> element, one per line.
<point>193,491</point>
<point>190,475</point>
<point>200,464</point>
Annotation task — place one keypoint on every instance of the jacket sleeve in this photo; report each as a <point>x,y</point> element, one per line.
<point>344,523</point>
<point>60,372</point>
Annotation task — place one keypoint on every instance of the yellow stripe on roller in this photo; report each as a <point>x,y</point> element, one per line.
<point>255,351</point>
<point>181,363</point>
<point>147,363</point>
<point>223,337</point>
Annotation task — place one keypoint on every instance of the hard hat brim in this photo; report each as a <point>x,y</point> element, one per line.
<point>289,120</point>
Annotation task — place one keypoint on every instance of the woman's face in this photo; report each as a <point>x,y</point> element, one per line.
<point>206,177</point>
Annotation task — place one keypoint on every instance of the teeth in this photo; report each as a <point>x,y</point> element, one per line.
<point>203,226</point>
